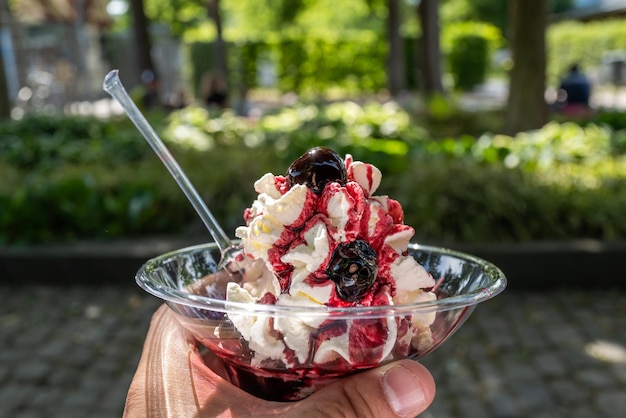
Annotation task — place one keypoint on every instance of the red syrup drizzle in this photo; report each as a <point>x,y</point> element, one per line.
<point>370,177</point>
<point>329,329</point>
<point>366,335</point>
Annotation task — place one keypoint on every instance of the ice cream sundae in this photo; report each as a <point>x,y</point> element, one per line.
<point>325,283</point>
<point>319,236</point>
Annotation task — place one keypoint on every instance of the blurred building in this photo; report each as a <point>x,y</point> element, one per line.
<point>51,49</point>
<point>58,51</point>
<point>587,10</point>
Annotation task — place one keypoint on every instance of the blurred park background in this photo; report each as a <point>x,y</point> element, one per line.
<point>458,103</point>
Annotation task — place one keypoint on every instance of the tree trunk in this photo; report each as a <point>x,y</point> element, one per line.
<point>221,63</point>
<point>428,11</point>
<point>395,60</point>
<point>143,44</point>
<point>527,108</point>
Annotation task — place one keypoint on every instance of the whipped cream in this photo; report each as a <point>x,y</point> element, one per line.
<point>289,238</point>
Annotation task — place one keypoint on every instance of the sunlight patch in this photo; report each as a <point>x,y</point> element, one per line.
<point>606,351</point>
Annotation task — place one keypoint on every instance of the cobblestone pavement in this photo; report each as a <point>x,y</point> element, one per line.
<point>71,352</point>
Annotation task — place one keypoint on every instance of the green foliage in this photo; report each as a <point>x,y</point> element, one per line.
<point>86,178</point>
<point>254,20</point>
<point>48,142</point>
<point>493,12</point>
<point>560,182</point>
<point>454,199</point>
<point>379,133</point>
<point>445,119</point>
<point>615,119</point>
<point>560,6</point>
<point>182,17</point>
<point>469,47</point>
<point>491,34</point>
<point>553,145</point>
<point>320,63</point>
<point>468,61</point>
<point>71,177</point>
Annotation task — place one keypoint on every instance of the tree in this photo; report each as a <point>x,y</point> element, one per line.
<point>396,78</point>
<point>221,60</point>
<point>560,6</point>
<point>428,12</point>
<point>526,107</point>
<point>495,12</point>
<point>141,31</point>
<point>284,13</point>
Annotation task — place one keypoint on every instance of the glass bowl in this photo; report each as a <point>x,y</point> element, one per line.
<point>365,337</point>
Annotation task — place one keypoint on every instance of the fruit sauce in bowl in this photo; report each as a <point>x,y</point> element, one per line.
<point>314,345</point>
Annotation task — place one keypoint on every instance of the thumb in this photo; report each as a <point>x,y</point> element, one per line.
<point>401,389</point>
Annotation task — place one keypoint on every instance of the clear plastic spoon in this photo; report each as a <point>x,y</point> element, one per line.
<point>113,85</point>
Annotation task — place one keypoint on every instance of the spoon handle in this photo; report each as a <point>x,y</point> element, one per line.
<point>113,86</point>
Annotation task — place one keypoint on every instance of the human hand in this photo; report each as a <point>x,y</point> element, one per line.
<point>173,380</point>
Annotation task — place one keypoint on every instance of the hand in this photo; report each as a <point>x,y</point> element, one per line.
<point>173,380</point>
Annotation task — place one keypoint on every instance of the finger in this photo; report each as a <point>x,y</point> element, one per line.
<point>212,391</point>
<point>401,389</point>
<point>158,388</point>
<point>173,380</point>
<point>135,398</point>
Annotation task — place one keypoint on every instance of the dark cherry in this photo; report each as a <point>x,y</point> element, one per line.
<point>317,167</point>
<point>353,268</point>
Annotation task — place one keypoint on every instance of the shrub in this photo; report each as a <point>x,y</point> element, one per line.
<point>560,182</point>
<point>380,133</point>
<point>469,60</point>
<point>66,178</point>
<point>615,119</point>
<point>469,47</point>
<point>46,142</point>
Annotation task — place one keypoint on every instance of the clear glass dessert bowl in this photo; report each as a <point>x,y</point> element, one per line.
<point>362,337</point>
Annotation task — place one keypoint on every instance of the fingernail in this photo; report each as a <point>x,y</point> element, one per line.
<point>402,390</point>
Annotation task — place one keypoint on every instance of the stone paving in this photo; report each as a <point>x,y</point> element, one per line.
<point>70,351</point>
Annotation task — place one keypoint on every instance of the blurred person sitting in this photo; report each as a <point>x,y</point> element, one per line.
<point>576,91</point>
<point>150,83</point>
<point>214,90</point>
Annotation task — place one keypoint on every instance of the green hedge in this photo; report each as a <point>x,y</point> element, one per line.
<point>469,48</point>
<point>65,178</point>
<point>561,182</point>
<point>469,60</point>
<point>69,178</point>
